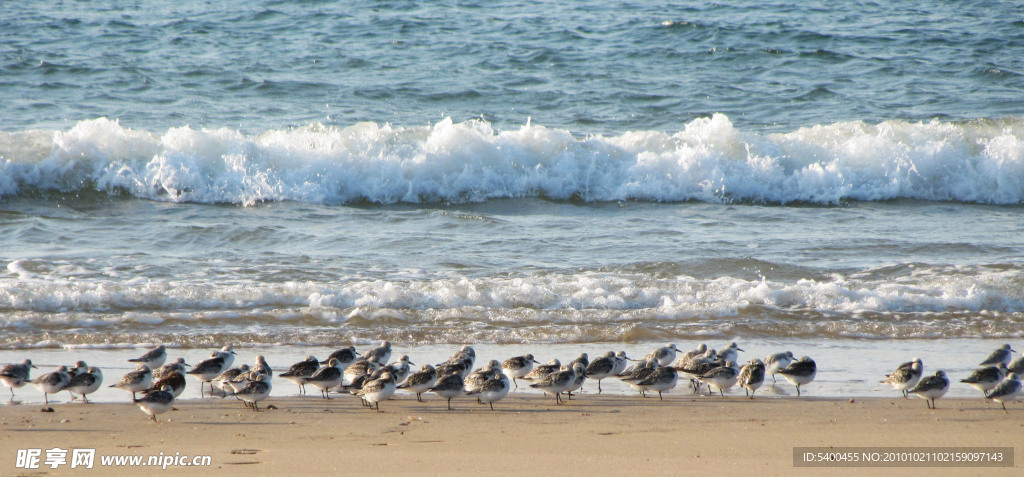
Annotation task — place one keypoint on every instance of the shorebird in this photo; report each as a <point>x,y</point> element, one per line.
<point>257,390</point>
<point>542,370</point>
<point>361,367</point>
<point>178,366</point>
<point>774,362</point>
<point>209,368</point>
<point>400,369</point>
<point>800,372</point>
<point>380,389</point>
<point>52,383</point>
<point>664,355</point>
<point>16,375</point>
<point>448,387</point>
<point>731,353</point>
<point>135,381</point>
<point>906,376</point>
<point>298,372</point>
<point>641,371</point>
<point>984,379</point>
<point>223,380</point>
<point>1002,354</point>
<point>174,379</point>
<point>85,383</point>
<point>345,357</point>
<point>601,368</point>
<point>477,378</point>
<point>262,367</point>
<point>420,381</point>
<point>1017,365</point>
<point>721,378</point>
<point>1009,389</point>
<point>559,382</point>
<point>326,377</point>
<point>751,376</point>
<point>932,388</point>
<point>153,358</point>
<point>492,390</point>
<point>156,402</point>
<point>380,354</point>
<point>518,367</point>
<point>662,379</point>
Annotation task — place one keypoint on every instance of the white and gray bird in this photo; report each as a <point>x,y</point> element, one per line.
<point>153,358</point>
<point>209,368</point>
<point>52,383</point>
<point>176,366</point>
<point>381,354</point>
<point>932,388</point>
<point>326,377</point>
<point>299,372</point>
<point>906,376</point>
<point>1002,354</point>
<point>448,387</point>
<point>85,383</point>
<point>136,381</point>
<point>156,402</point>
<point>730,353</point>
<point>1009,389</point>
<point>518,367</point>
<point>984,379</point>
<point>400,369</point>
<point>776,361</point>
<point>662,379</point>
<point>665,355</point>
<point>601,368</point>
<point>380,389</point>
<point>559,382</point>
<point>420,381</point>
<point>721,377</point>
<point>257,390</point>
<point>16,375</point>
<point>751,376</point>
<point>492,390</point>
<point>800,372</point>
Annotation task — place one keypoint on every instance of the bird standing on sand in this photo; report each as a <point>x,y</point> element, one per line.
<point>85,383</point>
<point>518,367</point>
<point>52,383</point>
<point>448,387</point>
<point>16,375</point>
<point>420,381</point>
<point>493,390</point>
<point>800,372</point>
<point>136,381</point>
<point>751,376</point>
<point>932,388</point>
<point>299,372</point>
<point>156,402</point>
<point>906,376</point>
<point>774,362</point>
<point>1009,389</point>
<point>984,379</point>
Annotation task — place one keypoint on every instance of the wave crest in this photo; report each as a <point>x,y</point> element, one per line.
<point>979,161</point>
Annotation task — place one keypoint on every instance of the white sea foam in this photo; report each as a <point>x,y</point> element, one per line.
<point>584,297</point>
<point>709,160</point>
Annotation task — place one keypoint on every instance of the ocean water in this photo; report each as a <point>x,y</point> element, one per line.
<point>845,181</point>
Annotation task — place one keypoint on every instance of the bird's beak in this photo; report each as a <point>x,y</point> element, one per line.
<point>186,364</point>
<point>740,349</point>
<point>535,361</point>
<point>411,363</point>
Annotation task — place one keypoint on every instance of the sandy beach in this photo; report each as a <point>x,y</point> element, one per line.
<point>524,435</point>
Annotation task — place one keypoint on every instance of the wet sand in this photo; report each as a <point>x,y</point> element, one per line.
<point>524,435</point>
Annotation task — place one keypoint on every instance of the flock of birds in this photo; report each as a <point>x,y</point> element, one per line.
<point>372,377</point>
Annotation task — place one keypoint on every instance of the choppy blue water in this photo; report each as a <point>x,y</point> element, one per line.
<point>504,173</point>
